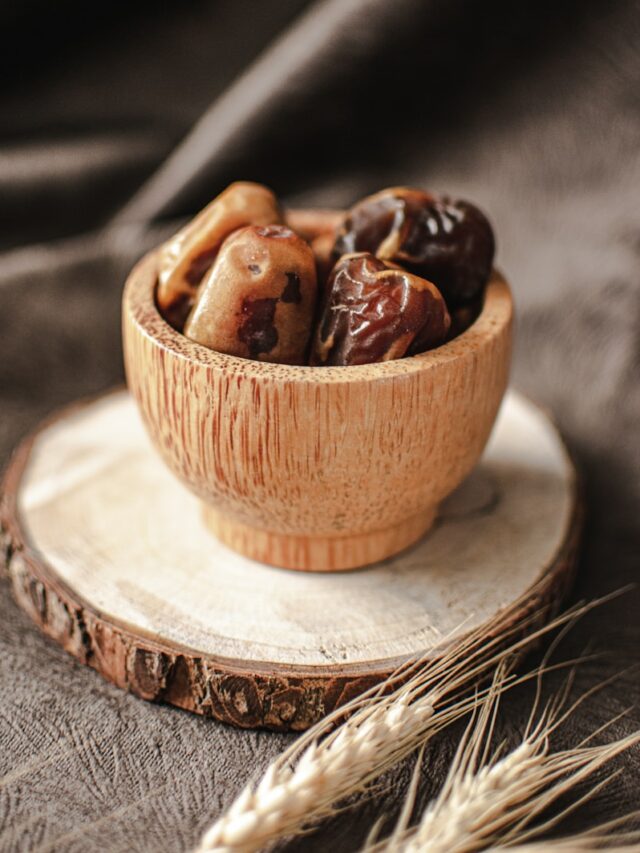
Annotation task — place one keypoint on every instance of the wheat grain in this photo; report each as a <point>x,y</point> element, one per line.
<point>385,724</point>
<point>487,801</point>
<point>286,796</point>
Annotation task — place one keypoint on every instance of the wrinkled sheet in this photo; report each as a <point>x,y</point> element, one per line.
<point>118,123</point>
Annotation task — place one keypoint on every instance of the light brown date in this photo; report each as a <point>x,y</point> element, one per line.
<point>185,259</point>
<point>258,299</point>
<point>374,311</point>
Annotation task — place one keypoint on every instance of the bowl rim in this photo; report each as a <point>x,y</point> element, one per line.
<point>139,306</point>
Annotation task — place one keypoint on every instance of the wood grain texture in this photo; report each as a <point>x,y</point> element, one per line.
<point>331,467</point>
<point>310,223</point>
<point>106,553</point>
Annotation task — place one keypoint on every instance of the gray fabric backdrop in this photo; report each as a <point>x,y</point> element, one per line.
<point>119,122</point>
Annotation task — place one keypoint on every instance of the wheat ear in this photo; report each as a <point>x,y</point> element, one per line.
<point>492,800</point>
<point>384,725</point>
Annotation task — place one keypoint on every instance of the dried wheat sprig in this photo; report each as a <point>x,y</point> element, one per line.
<point>388,722</point>
<point>327,771</point>
<point>483,808</point>
<point>493,800</point>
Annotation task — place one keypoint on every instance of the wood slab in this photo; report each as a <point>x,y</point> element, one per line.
<point>109,554</point>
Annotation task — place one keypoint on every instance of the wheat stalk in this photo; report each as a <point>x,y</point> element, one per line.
<point>492,800</point>
<point>325,765</point>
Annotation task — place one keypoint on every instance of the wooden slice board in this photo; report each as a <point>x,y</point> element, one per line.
<point>108,553</point>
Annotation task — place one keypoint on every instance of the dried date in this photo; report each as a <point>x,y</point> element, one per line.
<point>374,311</point>
<point>187,257</point>
<point>258,299</point>
<point>450,243</point>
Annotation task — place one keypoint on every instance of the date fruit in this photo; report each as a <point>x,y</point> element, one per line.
<point>258,299</point>
<point>185,259</point>
<point>450,243</point>
<point>374,311</point>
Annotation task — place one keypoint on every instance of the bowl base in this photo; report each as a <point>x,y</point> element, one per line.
<point>316,553</point>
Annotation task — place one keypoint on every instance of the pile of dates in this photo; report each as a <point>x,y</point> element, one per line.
<point>404,272</point>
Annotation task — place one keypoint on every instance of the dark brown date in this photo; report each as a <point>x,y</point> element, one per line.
<point>377,219</point>
<point>450,243</point>
<point>373,311</point>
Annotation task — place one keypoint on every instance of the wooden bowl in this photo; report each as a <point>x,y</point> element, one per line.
<point>316,468</point>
